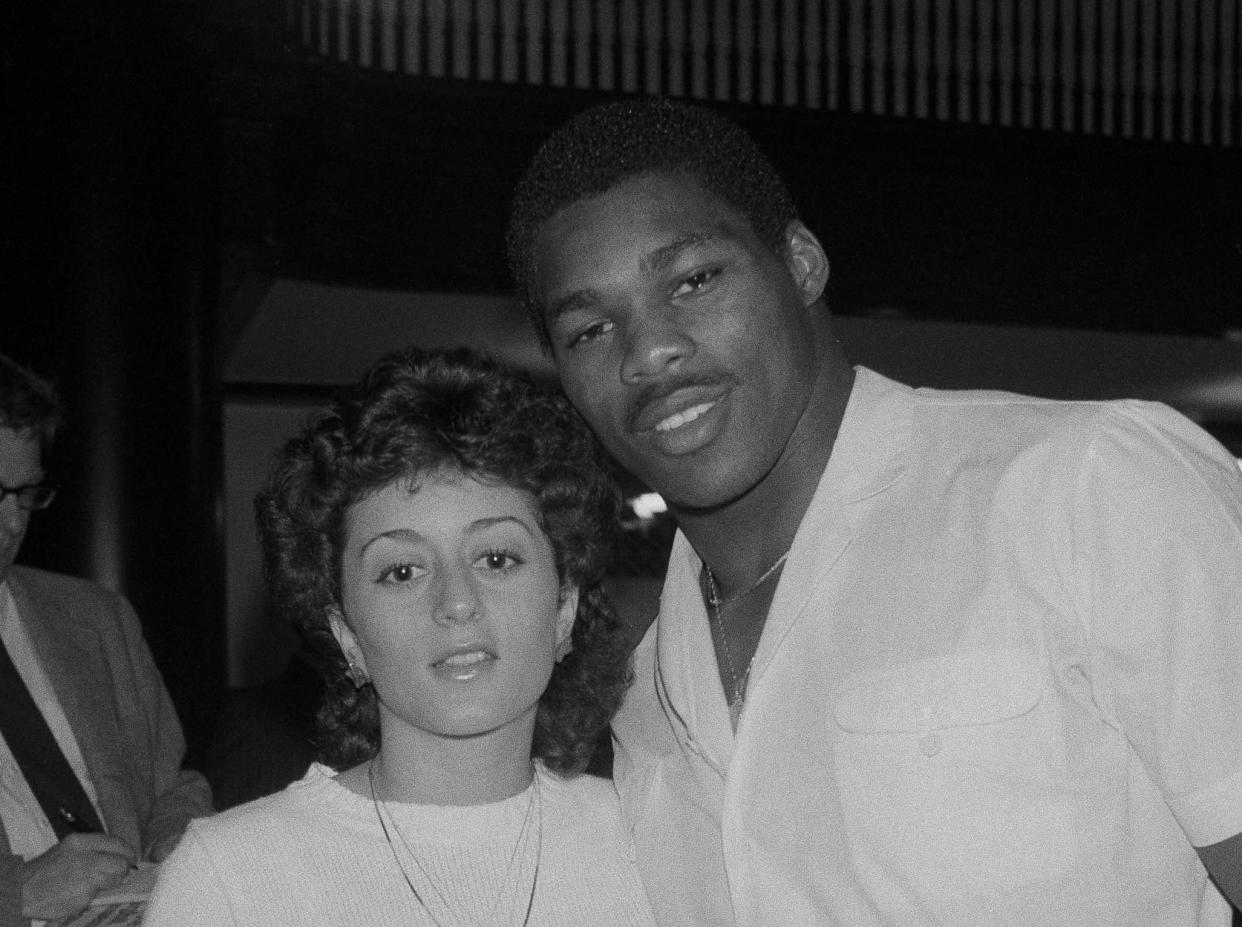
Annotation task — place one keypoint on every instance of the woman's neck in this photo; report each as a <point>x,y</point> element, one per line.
<point>427,769</point>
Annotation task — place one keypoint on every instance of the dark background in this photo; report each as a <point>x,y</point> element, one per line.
<point>154,154</point>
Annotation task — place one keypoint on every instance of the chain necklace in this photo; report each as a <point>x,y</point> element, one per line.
<point>536,803</point>
<point>737,684</point>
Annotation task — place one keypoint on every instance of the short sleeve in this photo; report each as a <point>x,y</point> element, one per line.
<point>1157,558</point>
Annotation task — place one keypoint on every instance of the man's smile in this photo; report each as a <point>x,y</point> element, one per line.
<point>670,406</point>
<point>678,419</point>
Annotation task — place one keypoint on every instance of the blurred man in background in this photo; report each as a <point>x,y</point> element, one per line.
<point>90,744</point>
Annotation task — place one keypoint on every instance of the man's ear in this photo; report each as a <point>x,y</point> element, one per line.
<point>348,643</point>
<point>566,614</point>
<point>807,262</point>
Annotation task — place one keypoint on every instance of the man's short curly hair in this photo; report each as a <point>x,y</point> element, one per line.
<point>608,144</point>
<point>417,413</point>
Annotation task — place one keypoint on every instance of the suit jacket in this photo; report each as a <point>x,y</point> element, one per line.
<point>91,646</point>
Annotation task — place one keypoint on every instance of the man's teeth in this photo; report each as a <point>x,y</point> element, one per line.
<point>465,659</point>
<point>683,417</point>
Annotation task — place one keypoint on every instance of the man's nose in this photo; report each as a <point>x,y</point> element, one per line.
<point>654,344</point>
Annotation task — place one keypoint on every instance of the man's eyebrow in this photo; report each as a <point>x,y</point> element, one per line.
<point>656,260</point>
<point>578,299</point>
<point>663,256</point>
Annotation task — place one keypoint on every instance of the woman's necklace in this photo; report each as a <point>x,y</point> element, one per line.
<point>534,805</point>
<point>737,684</point>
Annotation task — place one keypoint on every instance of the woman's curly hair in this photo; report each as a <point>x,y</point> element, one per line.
<point>415,413</point>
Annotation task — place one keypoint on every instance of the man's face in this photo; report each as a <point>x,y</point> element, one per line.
<point>20,465</point>
<point>685,342</point>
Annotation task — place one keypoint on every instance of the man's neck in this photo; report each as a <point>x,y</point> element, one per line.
<point>743,538</point>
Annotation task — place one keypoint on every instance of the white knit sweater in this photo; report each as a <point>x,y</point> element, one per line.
<point>314,854</point>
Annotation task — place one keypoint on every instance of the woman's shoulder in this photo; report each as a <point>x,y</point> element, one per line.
<point>255,863</point>
<point>316,791</point>
<point>591,799</point>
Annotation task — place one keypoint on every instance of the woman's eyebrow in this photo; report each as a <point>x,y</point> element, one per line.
<point>480,524</point>
<point>395,534</point>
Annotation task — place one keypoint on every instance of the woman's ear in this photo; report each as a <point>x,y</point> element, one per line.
<point>348,643</point>
<point>807,262</point>
<point>566,614</point>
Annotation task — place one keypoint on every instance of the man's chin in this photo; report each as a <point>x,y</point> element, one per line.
<point>704,496</point>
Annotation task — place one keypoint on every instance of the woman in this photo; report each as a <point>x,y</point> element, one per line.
<point>440,536</point>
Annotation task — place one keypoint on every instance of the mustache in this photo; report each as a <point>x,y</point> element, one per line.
<point>662,389</point>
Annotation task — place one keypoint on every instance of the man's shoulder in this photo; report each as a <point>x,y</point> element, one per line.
<point>1011,404</point>
<point>1017,419</point>
<point>1019,409</point>
<point>44,583</point>
<point>1017,435</point>
<point>912,426</point>
<point>57,597</point>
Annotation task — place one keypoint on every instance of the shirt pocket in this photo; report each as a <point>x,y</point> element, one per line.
<point>942,765</point>
<point>965,689</point>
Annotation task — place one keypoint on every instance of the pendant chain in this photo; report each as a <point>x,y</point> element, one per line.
<point>536,800</point>
<point>719,601</point>
<point>737,696</point>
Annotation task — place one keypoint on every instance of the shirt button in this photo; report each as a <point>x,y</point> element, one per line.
<point>929,744</point>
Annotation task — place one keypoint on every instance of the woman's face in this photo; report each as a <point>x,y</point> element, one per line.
<point>452,605</point>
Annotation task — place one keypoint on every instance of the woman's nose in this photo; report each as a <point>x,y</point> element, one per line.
<point>459,600</point>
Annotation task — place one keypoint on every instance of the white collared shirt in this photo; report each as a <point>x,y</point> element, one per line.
<point>26,825</point>
<point>1000,683</point>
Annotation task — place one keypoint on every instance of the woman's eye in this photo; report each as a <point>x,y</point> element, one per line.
<point>399,573</point>
<point>498,560</point>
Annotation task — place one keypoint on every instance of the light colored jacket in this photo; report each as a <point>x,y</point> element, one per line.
<point>90,644</point>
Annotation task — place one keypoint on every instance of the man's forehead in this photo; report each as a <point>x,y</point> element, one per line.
<point>652,225</point>
<point>671,187</point>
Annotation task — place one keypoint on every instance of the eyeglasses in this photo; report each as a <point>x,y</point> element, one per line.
<point>33,498</point>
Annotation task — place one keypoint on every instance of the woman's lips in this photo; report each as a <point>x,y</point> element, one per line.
<point>464,665</point>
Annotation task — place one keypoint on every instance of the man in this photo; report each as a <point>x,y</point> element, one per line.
<point>69,831</point>
<point>922,657</point>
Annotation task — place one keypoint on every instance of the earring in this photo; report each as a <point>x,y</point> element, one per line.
<point>356,674</point>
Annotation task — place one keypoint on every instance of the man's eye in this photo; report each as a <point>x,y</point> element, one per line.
<point>589,333</point>
<point>696,281</point>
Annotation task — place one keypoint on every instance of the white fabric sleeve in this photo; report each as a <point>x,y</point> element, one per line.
<point>1157,552</point>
